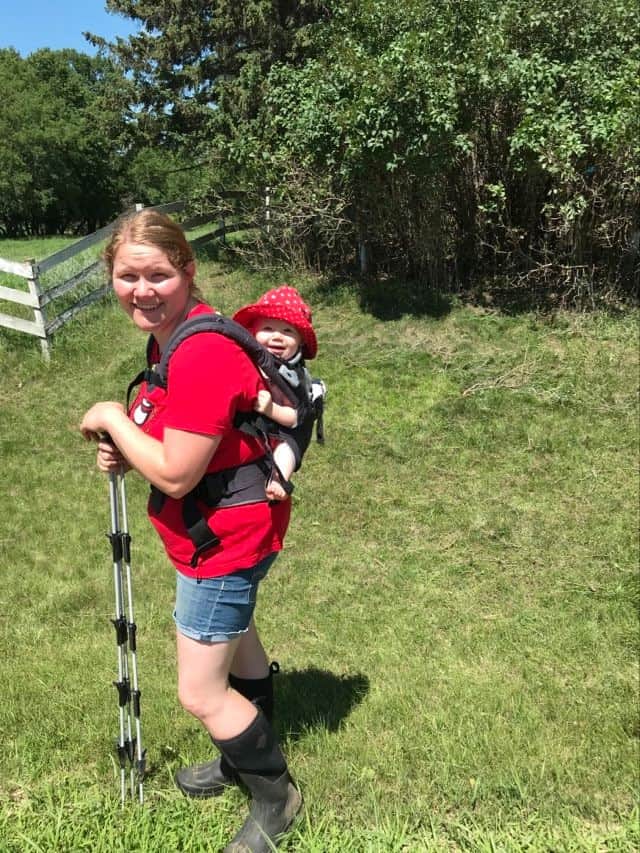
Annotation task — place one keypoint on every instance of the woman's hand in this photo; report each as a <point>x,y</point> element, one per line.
<point>99,419</point>
<point>109,459</point>
<point>96,426</point>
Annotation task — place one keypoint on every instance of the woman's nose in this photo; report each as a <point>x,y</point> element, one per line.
<point>142,285</point>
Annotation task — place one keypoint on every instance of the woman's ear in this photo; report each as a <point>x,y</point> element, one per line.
<point>190,270</point>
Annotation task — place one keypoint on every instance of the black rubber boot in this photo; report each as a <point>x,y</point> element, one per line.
<point>213,777</point>
<point>275,800</point>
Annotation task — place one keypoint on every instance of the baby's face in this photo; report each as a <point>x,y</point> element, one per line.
<point>279,337</point>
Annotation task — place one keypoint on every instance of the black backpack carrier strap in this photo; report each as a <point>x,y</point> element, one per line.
<point>309,396</point>
<point>157,375</point>
<point>298,381</point>
<point>202,536</point>
<point>243,484</point>
<point>318,396</point>
<point>145,375</point>
<point>260,356</point>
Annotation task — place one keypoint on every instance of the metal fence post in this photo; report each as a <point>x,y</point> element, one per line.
<point>267,208</point>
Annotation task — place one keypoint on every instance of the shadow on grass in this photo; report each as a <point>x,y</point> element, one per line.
<point>313,698</point>
<point>390,297</point>
<point>514,300</point>
<point>304,699</point>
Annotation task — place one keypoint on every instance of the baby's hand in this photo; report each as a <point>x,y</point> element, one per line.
<point>263,403</point>
<point>275,492</point>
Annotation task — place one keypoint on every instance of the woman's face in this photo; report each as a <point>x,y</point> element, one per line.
<point>150,289</point>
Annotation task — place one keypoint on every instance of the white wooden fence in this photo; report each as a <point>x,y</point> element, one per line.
<point>40,300</point>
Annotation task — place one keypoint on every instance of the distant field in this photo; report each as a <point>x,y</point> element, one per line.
<point>33,247</point>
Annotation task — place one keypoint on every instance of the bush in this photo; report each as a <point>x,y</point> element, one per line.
<point>463,142</point>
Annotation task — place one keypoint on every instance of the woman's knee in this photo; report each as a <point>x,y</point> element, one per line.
<point>203,702</point>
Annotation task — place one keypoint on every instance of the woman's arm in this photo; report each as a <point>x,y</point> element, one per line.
<point>174,465</point>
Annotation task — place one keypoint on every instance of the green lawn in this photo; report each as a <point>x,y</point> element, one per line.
<point>29,248</point>
<point>455,613</point>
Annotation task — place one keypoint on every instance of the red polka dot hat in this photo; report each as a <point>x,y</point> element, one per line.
<point>282,303</point>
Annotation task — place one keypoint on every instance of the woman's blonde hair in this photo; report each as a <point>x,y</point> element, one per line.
<point>154,229</point>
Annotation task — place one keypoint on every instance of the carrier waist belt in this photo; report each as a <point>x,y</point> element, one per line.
<point>244,484</point>
<point>234,486</point>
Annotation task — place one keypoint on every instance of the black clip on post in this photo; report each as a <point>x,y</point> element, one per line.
<point>128,747</point>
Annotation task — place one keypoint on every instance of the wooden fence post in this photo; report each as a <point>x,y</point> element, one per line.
<point>38,313</point>
<point>364,258</point>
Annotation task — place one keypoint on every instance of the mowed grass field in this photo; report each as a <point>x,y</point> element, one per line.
<point>455,613</point>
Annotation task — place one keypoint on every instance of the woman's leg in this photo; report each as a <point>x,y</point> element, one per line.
<point>250,660</point>
<point>202,690</point>
<point>203,687</point>
<point>214,777</point>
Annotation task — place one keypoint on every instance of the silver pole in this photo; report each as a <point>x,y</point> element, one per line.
<point>118,622</point>
<point>138,776</point>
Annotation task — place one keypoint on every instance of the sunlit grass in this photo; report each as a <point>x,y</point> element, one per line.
<point>454,614</point>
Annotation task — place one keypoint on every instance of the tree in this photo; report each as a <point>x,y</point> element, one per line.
<point>455,141</point>
<point>61,162</point>
<point>196,64</point>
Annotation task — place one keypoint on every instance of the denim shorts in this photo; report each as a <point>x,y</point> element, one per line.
<point>216,610</point>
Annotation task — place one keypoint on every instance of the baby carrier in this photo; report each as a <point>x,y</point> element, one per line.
<point>242,484</point>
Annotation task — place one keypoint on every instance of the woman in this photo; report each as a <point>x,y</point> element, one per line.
<point>177,438</point>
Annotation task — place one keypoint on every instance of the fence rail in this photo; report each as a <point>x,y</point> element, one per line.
<point>37,298</point>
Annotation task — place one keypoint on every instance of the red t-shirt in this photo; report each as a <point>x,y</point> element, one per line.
<point>210,378</point>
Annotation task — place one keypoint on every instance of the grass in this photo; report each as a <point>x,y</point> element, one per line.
<point>455,612</point>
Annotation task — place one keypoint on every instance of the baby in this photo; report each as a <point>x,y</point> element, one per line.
<point>281,321</point>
